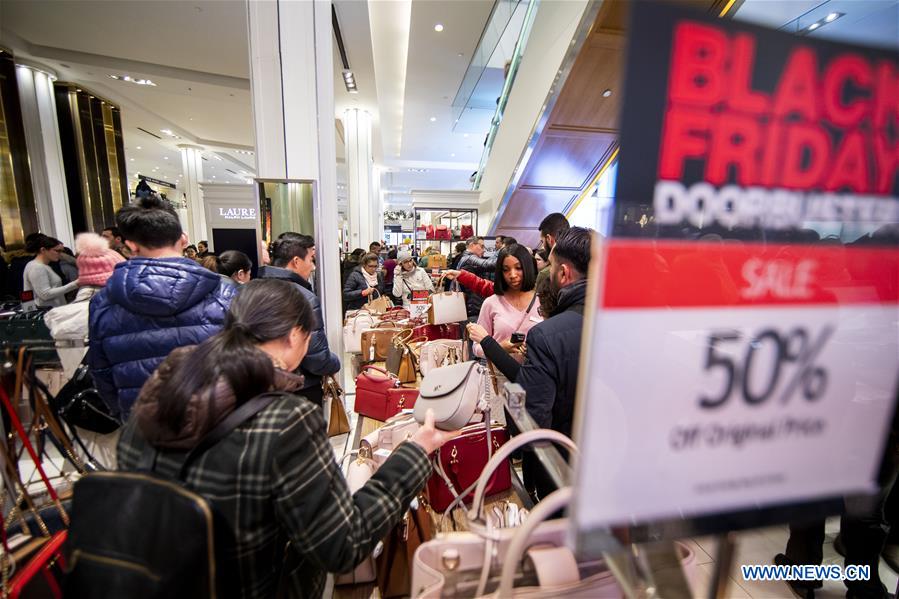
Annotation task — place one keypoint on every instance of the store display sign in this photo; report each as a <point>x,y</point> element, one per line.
<point>739,360</point>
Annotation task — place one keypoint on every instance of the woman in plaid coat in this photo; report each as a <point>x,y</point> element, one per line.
<point>274,479</point>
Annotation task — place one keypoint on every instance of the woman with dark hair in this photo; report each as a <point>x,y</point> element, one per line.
<point>273,479</point>
<point>542,258</point>
<point>362,282</point>
<point>41,286</point>
<point>234,267</point>
<point>190,252</point>
<point>513,308</point>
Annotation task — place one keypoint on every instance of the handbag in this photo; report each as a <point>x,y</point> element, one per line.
<point>372,385</point>
<point>394,564</point>
<point>466,231</point>
<point>378,305</point>
<point>436,261</point>
<point>79,403</point>
<point>430,232</point>
<point>438,353</point>
<point>338,423</point>
<point>443,233</point>
<point>358,473</point>
<point>402,359</point>
<point>394,314</point>
<point>453,393</point>
<point>380,443</point>
<point>447,306</point>
<point>432,332</point>
<point>353,329</point>
<point>42,575</point>
<point>462,459</point>
<point>377,340</point>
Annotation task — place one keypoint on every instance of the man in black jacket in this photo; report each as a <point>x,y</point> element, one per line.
<point>473,260</point>
<point>550,370</point>
<point>293,259</point>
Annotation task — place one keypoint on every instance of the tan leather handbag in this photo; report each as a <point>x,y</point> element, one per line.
<point>378,305</point>
<point>402,358</point>
<point>338,423</point>
<point>376,341</point>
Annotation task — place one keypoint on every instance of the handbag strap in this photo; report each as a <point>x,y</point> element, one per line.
<point>477,507</point>
<point>527,312</point>
<point>553,502</point>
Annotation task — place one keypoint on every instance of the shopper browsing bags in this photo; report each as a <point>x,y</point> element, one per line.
<point>409,277</point>
<point>273,479</point>
<point>362,282</point>
<point>41,286</point>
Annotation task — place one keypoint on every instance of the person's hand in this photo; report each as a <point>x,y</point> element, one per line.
<point>477,332</point>
<point>367,292</point>
<point>429,437</point>
<point>450,274</point>
<point>78,283</point>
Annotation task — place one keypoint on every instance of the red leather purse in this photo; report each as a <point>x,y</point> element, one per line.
<point>399,399</point>
<point>463,458</point>
<point>431,232</point>
<point>394,314</point>
<point>443,232</point>
<point>466,232</point>
<point>372,392</point>
<point>438,331</point>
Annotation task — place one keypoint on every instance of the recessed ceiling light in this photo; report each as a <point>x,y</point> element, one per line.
<point>465,135</point>
<point>166,131</point>
<point>438,27</point>
<point>452,155</point>
<point>130,79</point>
<point>607,93</point>
<point>165,157</point>
<point>213,176</point>
<point>832,17</point>
<point>138,147</point>
<point>460,55</point>
<point>132,160</point>
<point>813,26</point>
<point>433,119</point>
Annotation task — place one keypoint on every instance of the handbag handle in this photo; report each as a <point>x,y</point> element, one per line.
<point>403,337</point>
<point>454,285</point>
<point>541,434</point>
<point>366,368</point>
<point>553,502</point>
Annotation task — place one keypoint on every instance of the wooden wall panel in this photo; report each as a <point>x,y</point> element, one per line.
<point>581,104</point>
<point>529,206</point>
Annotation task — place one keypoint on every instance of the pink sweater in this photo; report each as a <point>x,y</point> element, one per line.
<point>501,319</point>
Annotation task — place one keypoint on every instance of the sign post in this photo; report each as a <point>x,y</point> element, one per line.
<point>741,358</point>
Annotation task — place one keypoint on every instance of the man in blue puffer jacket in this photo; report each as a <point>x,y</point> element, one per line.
<point>153,303</point>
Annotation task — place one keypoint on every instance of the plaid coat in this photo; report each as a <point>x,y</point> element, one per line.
<point>275,479</point>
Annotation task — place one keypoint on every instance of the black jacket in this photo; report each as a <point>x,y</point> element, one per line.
<point>483,267</point>
<point>550,369</point>
<point>319,360</point>
<point>354,286</point>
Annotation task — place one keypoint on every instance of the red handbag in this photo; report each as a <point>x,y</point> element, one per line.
<point>438,331</point>
<point>430,232</point>
<point>372,392</point>
<point>42,575</point>
<point>463,458</point>
<point>399,399</point>
<point>394,314</point>
<point>443,232</point>
<point>467,231</point>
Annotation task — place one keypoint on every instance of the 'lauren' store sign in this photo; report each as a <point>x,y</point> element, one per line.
<point>238,213</point>
<point>735,369</point>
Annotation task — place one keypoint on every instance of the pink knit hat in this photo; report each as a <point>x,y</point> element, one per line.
<point>95,260</point>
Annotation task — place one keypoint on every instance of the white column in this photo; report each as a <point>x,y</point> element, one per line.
<point>44,152</point>
<point>292,81</point>
<point>192,176</point>
<point>362,216</point>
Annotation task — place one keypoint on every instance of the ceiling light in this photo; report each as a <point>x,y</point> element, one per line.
<point>216,156</point>
<point>830,18</point>
<point>138,147</point>
<point>132,160</point>
<point>165,157</point>
<point>433,119</point>
<point>452,155</point>
<point>607,93</point>
<point>166,131</point>
<point>465,135</point>
<point>213,176</point>
<point>438,27</point>
<point>349,80</point>
<point>130,79</point>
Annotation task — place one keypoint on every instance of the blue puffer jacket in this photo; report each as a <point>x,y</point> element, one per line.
<point>149,307</point>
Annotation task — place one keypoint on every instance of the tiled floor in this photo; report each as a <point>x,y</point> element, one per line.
<point>759,547</point>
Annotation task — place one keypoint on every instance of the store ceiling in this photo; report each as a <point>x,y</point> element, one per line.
<point>196,52</point>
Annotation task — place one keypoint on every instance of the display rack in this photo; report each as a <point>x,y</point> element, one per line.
<point>453,218</point>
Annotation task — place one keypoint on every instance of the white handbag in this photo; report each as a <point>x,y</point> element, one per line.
<point>447,306</point>
<point>383,441</point>
<point>361,469</point>
<point>453,392</point>
<point>353,329</point>
<point>439,352</point>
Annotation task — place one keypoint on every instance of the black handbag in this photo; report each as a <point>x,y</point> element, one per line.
<point>79,404</point>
